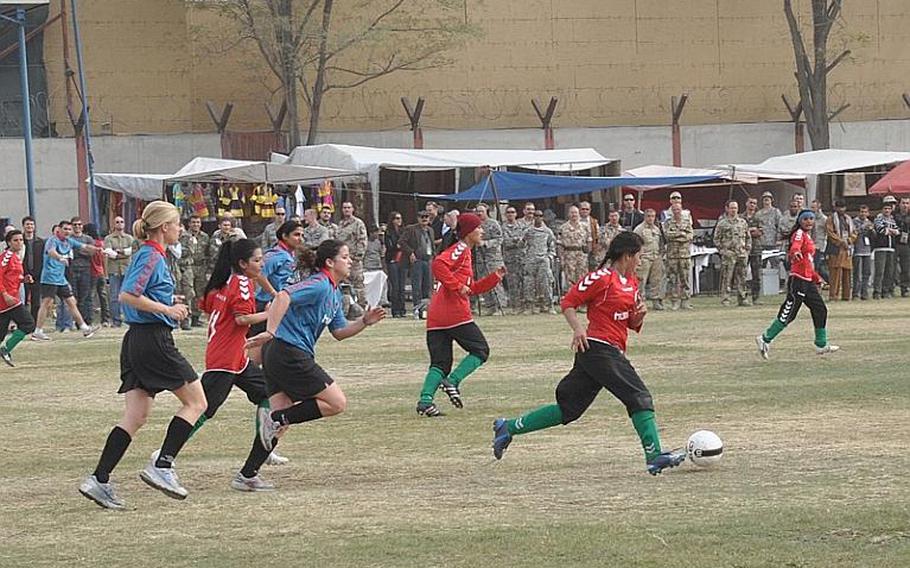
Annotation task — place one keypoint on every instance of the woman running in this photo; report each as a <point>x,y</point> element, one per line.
<point>278,265</point>
<point>802,288</point>
<point>615,306</point>
<point>150,362</point>
<point>299,389</point>
<point>11,306</point>
<point>449,318</point>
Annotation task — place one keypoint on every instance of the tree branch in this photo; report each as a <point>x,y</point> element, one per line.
<point>840,109</point>
<point>837,60</point>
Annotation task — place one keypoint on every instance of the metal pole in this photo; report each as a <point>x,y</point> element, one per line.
<point>92,193</point>
<point>26,115</point>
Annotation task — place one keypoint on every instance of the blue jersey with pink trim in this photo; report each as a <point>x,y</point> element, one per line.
<point>278,265</point>
<point>315,304</point>
<point>148,275</point>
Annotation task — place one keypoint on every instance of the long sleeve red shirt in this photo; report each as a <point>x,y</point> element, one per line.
<point>10,279</point>
<point>453,269</point>
<point>804,267</point>
<point>611,299</point>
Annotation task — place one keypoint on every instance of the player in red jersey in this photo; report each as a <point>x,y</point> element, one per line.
<point>450,319</point>
<point>230,301</point>
<point>614,307</point>
<point>11,307</point>
<point>802,288</point>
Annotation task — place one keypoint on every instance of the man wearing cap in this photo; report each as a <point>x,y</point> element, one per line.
<point>902,245</point>
<point>886,233</point>
<point>769,219</point>
<point>513,250</point>
<point>593,247</point>
<point>675,197</point>
<point>573,244</point>
<point>733,242</point>
<point>540,250</point>
<point>417,246</point>
<point>755,232</point>
<point>630,217</point>
<point>678,230</point>
<point>841,237</point>
<point>489,259</point>
<point>651,270</point>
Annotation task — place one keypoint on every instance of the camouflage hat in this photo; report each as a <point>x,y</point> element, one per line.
<point>889,199</point>
<point>767,194</point>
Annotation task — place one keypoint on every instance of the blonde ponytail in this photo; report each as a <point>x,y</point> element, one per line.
<point>155,214</point>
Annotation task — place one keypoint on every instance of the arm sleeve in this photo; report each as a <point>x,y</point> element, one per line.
<point>305,293</point>
<point>140,273</point>
<point>587,288</point>
<point>244,306</point>
<point>4,267</point>
<point>75,244</point>
<point>485,284</point>
<point>796,244</point>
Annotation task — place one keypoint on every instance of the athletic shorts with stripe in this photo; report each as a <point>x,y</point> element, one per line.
<point>292,371</point>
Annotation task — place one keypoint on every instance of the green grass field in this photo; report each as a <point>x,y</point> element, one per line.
<point>814,474</point>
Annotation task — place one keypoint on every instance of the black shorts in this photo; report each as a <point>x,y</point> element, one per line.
<point>292,371</point>
<point>54,291</point>
<point>21,316</point>
<point>217,385</point>
<point>468,336</point>
<point>149,360</point>
<point>258,328</point>
<point>602,366</point>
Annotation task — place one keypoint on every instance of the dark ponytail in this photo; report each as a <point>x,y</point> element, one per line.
<point>232,252</point>
<point>310,260</point>
<point>625,243</point>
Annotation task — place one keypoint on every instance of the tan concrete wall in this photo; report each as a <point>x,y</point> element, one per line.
<point>152,64</point>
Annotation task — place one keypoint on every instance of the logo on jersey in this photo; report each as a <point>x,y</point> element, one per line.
<point>620,316</point>
<point>244,285</point>
<point>591,278</point>
<point>458,250</point>
<point>6,258</point>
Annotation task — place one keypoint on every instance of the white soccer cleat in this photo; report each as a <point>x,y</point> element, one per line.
<point>39,335</point>
<point>89,330</point>
<point>826,349</point>
<point>101,493</point>
<point>276,459</point>
<point>251,485</point>
<point>268,429</point>
<point>163,479</point>
<point>764,348</point>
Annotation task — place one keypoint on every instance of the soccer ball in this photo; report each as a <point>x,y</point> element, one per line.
<point>704,448</point>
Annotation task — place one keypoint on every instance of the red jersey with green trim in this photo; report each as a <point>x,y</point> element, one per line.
<point>225,350</point>
<point>803,268</point>
<point>453,270</point>
<point>611,299</point>
<point>10,279</point>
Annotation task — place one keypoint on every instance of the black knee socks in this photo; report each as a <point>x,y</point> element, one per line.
<point>178,432</point>
<point>257,457</point>
<point>300,412</point>
<point>114,448</point>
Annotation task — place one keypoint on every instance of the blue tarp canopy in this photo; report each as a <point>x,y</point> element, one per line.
<point>519,186</point>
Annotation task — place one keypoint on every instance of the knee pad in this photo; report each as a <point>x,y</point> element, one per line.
<point>641,401</point>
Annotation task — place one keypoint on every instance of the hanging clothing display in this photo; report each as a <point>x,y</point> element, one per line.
<point>300,200</point>
<point>325,196</point>
<point>263,199</point>
<point>198,202</point>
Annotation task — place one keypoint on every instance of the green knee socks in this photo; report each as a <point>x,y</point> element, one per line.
<point>544,417</point>
<point>821,337</point>
<point>14,339</point>
<point>199,422</point>
<point>467,366</point>
<point>430,384</point>
<point>646,426</point>
<point>775,328</point>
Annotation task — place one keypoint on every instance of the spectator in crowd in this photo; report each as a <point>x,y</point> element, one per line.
<point>841,237</point>
<point>269,237</point>
<point>437,222</point>
<point>314,232</point>
<point>902,246</point>
<point>820,236</point>
<point>540,251</point>
<point>675,197</point>
<point>630,217</point>
<point>787,222</point>
<point>769,220</point>
<point>226,231</point>
<point>417,244</point>
<point>199,245</point>
<point>449,232</point>
<point>592,246</point>
<point>81,271</point>
<point>395,264</point>
<point>800,200</point>
<point>325,218</point>
<point>118,247</point>
<point>31,264</point>
<point>651,270</point>
<point>573,243</point>
<point>353,232</point>
<point>862,253</point>
<point>375,280</point>
<point>488,259</point>
<point>679,233</point>
<point>527,212</point>
<point>58,251</point>
<point>99,275</point>
<point>608,232</point>
<point>731,237</point>
<point>755,233</point>
<point>886,232</point>
<point>513,251</point>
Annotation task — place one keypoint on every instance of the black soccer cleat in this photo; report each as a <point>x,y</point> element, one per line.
<point>428,409</point>
<point>452,392</point>
<point>666,460</point>
<point>8,359</point>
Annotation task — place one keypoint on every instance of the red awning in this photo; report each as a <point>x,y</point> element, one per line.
<point>895,181</point>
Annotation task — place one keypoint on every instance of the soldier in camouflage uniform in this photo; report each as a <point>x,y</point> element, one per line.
<point>314,233</point>
<point>607,233</point>
<point>226,231</point>
<point>679,233</point>
<point>197,246</point>
<point>755,232</point>
<point>488,256</point>
<point>325,218</point>
<point>540,246</point>
<point>185,279</point>
<point>787,220</point>
<point>513,251</point>
<point>651,270</point>
<point>594,248</point>
<point>573,244</point>
<point>352,232</point>
<point>733,242</point>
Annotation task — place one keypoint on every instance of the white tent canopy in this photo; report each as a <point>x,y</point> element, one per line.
<point>822,162</point>
<point>149,187</point>
<point>370,160</point>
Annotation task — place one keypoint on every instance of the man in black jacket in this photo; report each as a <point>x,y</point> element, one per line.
<point>31,265</point>
<point>902,246</point>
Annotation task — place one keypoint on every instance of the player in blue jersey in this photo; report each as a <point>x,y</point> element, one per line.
<point>150,362</point>
<point>278,265</point>
<point>299,389</point>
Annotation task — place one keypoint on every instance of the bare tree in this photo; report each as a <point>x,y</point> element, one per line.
<point>316,46</point>
<point>812,75</point>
